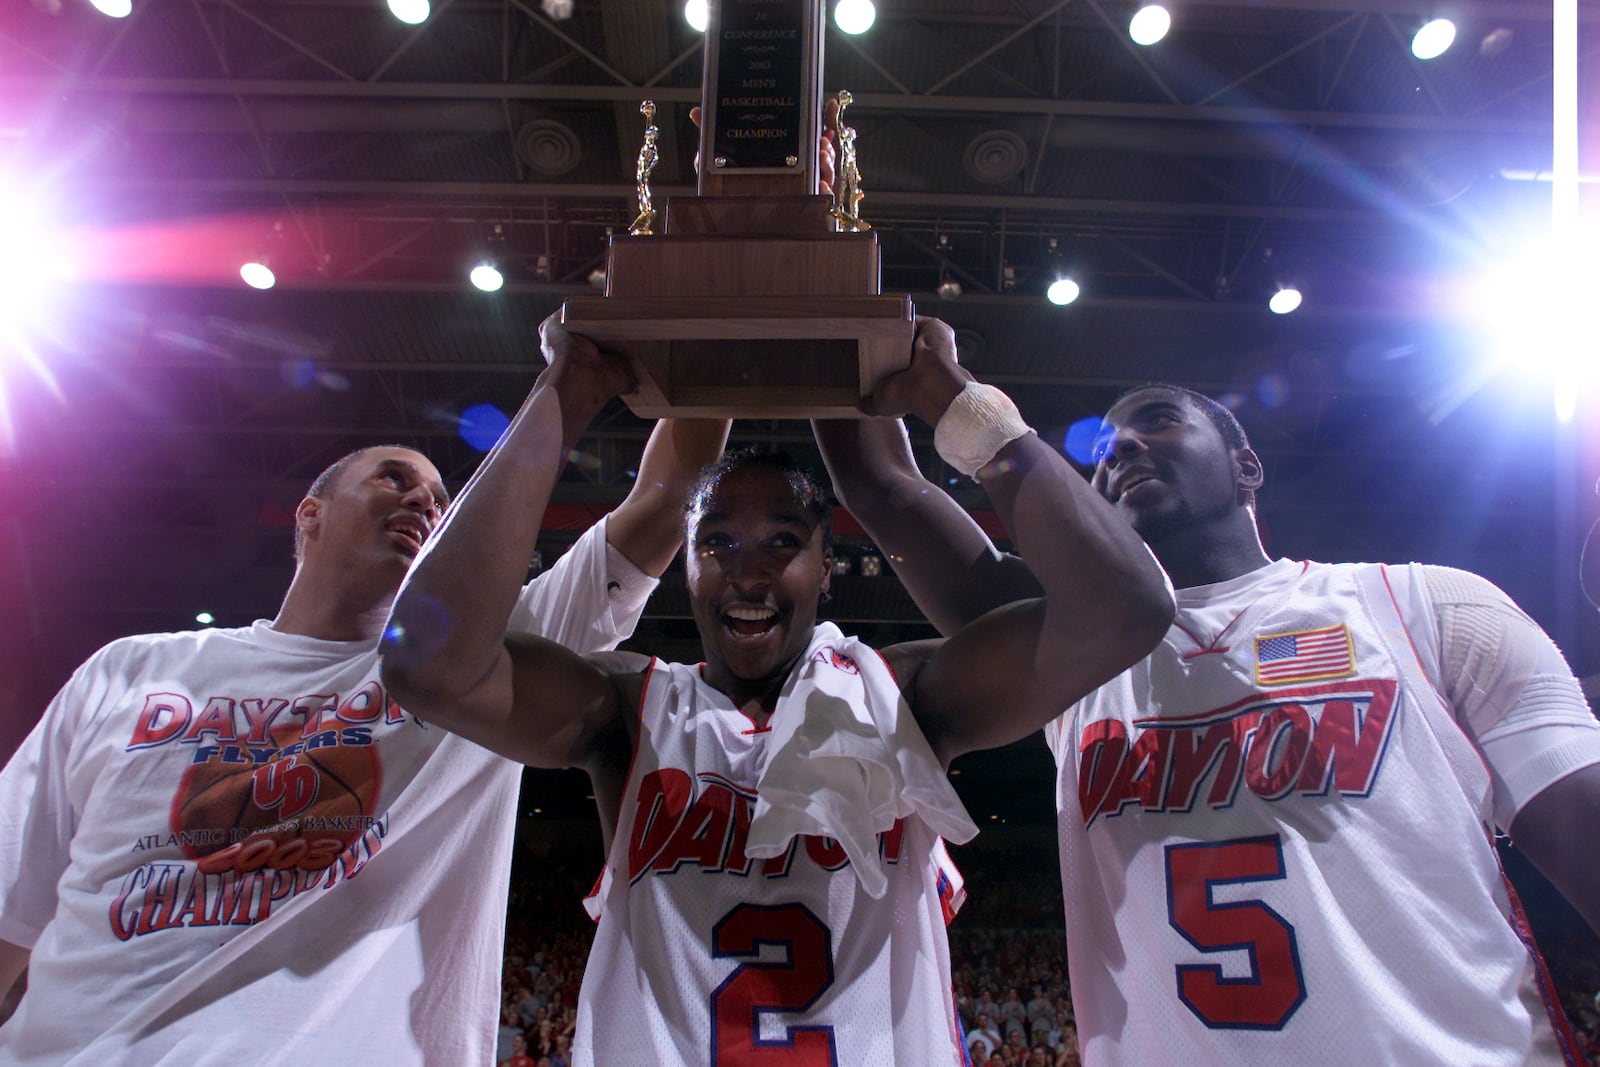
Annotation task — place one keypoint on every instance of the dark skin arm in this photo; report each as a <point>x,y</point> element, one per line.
<point>1556,831</point>
<point>1105,602</point>
<point>646,527</point>
<point>449,659</point>
<point>947,563</point>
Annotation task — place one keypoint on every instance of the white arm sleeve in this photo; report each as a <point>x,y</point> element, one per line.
<point>1511,690</point>
<point>590,600</point>
<point>37,814</point>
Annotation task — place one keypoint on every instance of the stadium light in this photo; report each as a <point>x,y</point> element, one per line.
<point>411,12</point>
<point>1433,39</point>
<point>1062,292</point>
<point>486,276</point>
<point>854,17</point>
<point>257,275</point>
<point>1149,24</point>
<point>1285,300</point>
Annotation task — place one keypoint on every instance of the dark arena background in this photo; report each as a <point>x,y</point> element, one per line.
<point>1434,397</point>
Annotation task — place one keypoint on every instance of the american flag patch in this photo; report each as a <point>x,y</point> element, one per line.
<point>1306,656</point>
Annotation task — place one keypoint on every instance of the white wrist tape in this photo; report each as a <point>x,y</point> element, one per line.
<point>979,422</point>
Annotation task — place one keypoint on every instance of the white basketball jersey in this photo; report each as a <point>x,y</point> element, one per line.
<point>1274,846</point>
<point>705,956</point>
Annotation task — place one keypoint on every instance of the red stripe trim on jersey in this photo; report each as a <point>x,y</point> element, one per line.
<point>594,891</point>
<point>633,757</point>
<point>1422,668</point>
<point>1571,1051</point>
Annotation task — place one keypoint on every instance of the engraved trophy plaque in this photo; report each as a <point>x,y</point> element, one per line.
<point>760,297</point>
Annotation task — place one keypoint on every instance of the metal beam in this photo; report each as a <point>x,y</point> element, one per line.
<point>889,102</point>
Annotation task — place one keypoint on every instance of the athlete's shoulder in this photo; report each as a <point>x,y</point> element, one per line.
<point>129,653</point>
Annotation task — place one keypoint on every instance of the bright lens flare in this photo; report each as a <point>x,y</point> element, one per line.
<point>1538,313</point>
<point>1149,24</point>
<point>32,267</point>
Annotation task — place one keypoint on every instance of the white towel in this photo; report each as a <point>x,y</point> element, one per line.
<point>846,759</point>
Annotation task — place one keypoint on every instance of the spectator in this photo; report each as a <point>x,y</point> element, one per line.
<point>983,1039</point>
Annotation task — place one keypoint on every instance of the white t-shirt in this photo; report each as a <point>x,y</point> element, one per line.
<point>228,846</point>
<point>1274,833</point>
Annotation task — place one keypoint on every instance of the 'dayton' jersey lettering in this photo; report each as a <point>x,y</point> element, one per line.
<point>705,956</point>
<point>1274,849</point>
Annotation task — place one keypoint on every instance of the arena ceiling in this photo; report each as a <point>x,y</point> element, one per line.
<point>152,471</point>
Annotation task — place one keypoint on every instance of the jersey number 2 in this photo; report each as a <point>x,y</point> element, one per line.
<point>756,987</point>
<point>1274,988</point>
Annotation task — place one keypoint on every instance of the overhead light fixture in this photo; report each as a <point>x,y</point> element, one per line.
<point>257,275</point>
<point>697,14</point>
<point>1285,300</point>
<point>487,276</point>
<point>1062,291</point>
<point>117,9</point>
<point>1149,24</point>
<point>854,16</point>
<point>1433,39</point>
<point>411,12</point>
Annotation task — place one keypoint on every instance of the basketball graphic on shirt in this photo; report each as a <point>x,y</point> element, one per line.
<point>296,811</point>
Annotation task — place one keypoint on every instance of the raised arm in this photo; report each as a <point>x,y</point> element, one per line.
<point>647,527</point>
<point>942,557</point>
<point>1106,603</point>
<point>446,656</point>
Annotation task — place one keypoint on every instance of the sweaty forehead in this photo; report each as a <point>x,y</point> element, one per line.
<point>1146,399</point>
<point>762,491</point>
<point>415,463</point>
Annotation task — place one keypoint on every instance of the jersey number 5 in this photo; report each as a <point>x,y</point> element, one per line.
<point>792,982</point>
<point>1274,988</point>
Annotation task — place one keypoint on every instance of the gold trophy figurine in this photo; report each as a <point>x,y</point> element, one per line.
<point>848,208</point>
<point>648,154</point>
<point>760,296</point>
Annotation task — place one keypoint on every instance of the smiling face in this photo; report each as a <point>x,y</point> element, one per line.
<point>1164,464</point>
<point>757,567</point>
<point>375,510</point>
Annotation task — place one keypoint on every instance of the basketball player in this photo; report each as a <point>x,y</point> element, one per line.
<point>233,846</point>
<point>1275,830</point>
<point>723,940</point>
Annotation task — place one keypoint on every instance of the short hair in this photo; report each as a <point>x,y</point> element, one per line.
<point>1226,423</point>
<point>810,490</point>
<point>322,485</point>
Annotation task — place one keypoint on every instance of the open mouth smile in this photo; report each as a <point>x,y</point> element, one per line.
<point>411,535</point>
<point>749,623</point>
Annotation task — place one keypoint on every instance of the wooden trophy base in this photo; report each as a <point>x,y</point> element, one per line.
<point>758,325</point>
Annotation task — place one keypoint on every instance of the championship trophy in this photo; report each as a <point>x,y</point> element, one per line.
<point>760,297</point>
